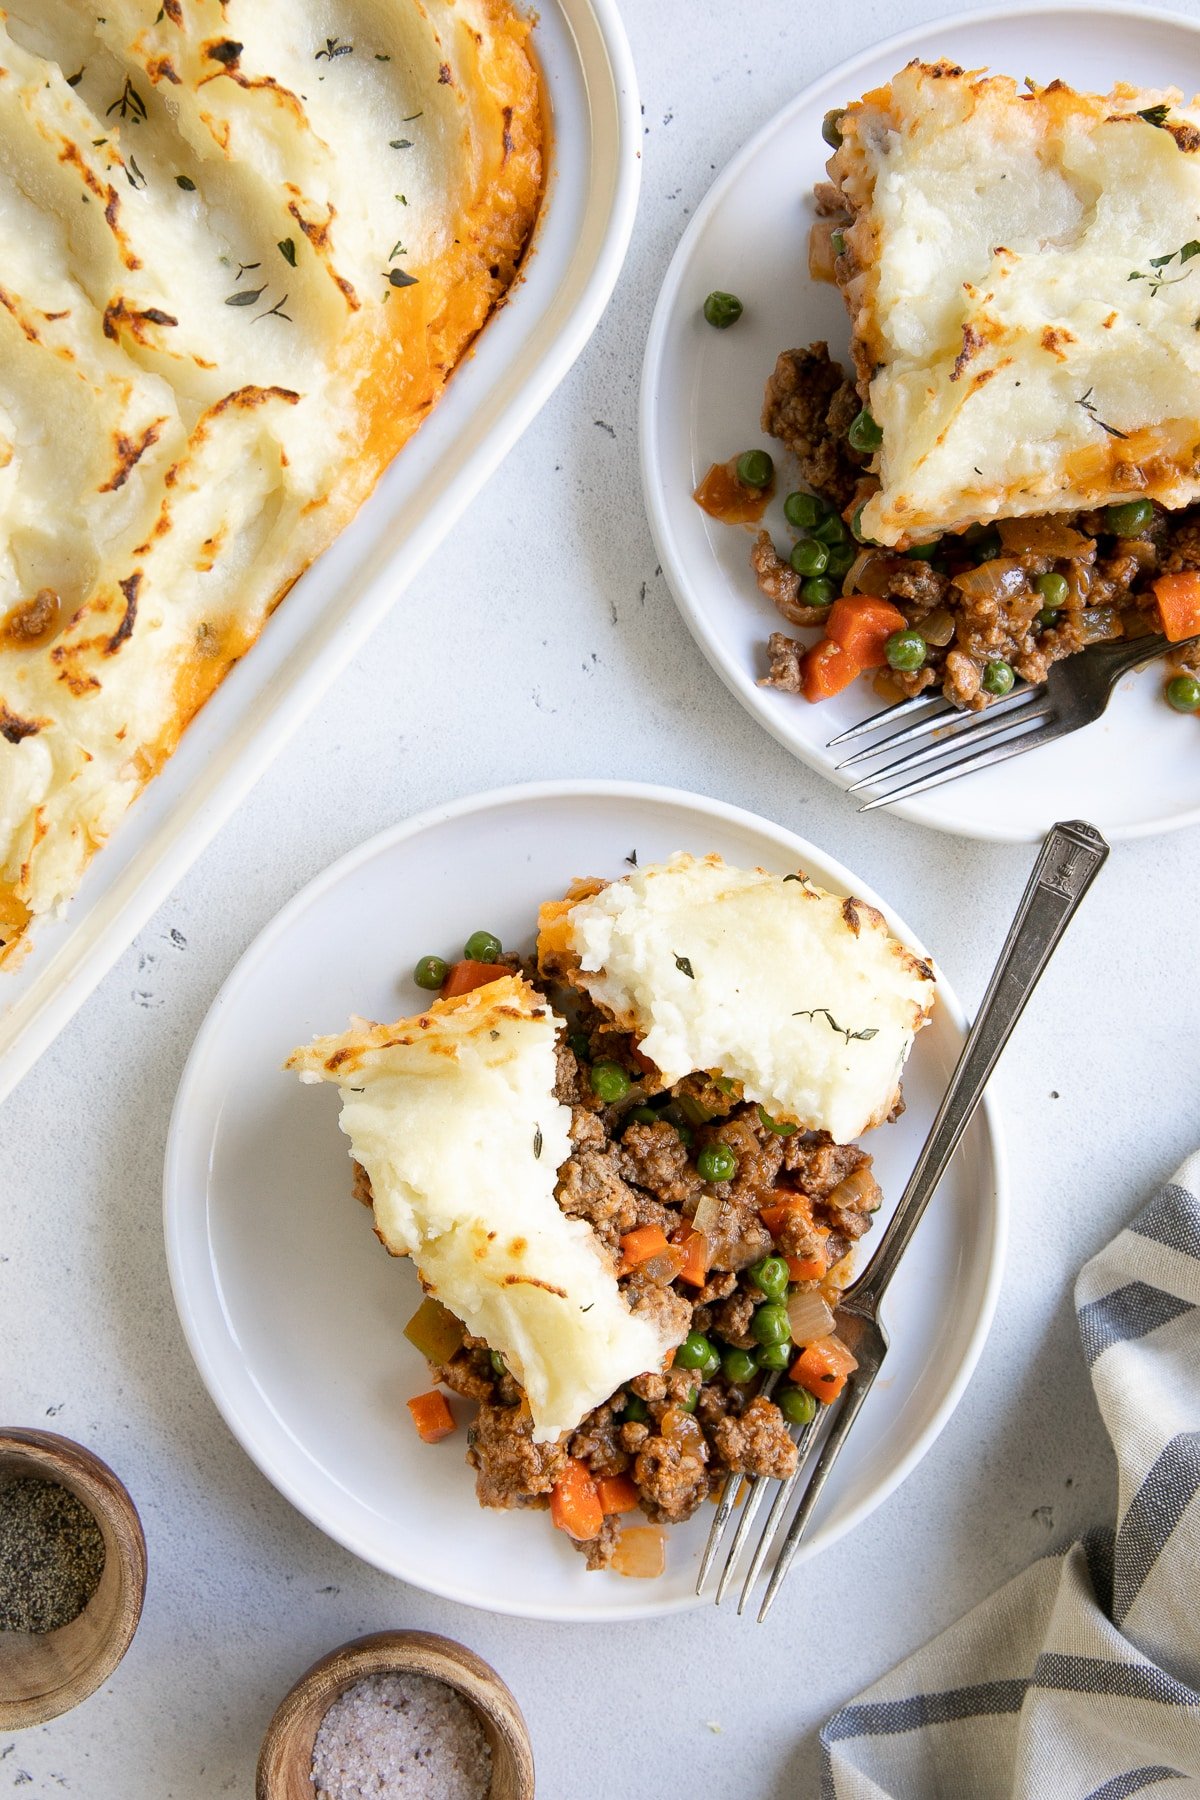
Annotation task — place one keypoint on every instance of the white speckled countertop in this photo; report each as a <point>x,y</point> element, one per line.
<point>574,662</point>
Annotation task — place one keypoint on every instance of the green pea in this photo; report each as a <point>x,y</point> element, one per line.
<point>797,1405</point>
<point>643,1115</point>
<point>841,559</point>
<point>1129,519</point>
<point>998,679</point>
<point>579,1042</point>
<point>804,511</point>
<point>738,1366</point>
<point>689,1405</point>
<point>686,1135</point>
<point>906,651</point>
<point>695,1352</point>
<point>809,558</point>
<point>987,546</point>
<point>636,1411</point>
<point>832,530</point>
<point>1054,589</point>
<point>770,1276</point>
<point>856,526</point>
<point>430,972</point>
<point>1183,693</point>
<point>774,1356</point>
<point>831,127</point>
<point>722,309</point>
<point>780,1127</point>
<point>819,592</point>
<point>499,1366</point>
<point>770,1324</point>
<point>864,434</point>
<point>482,946</point>
<point>711,1365</point>
<point>755,469</point>
<point>609,1082</point>
<point>716,1162</point>
<point>1047,617</point>
<point>923,552</point>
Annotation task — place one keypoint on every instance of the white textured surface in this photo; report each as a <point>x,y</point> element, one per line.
<point>550,585</point>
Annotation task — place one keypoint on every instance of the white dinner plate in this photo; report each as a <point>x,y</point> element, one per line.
<point>1135,771</point>
<point>295,1313</point>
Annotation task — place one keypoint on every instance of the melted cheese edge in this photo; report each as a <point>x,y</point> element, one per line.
<point>1014,366</point>
<point>454,1118</point>
<point>805,999</point>
<point>205,360</point>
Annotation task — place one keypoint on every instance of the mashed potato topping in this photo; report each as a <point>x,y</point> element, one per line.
<point>454,1118</point>
<point>1021,279</point>
<point>243,245</point>
<point>804,999</point>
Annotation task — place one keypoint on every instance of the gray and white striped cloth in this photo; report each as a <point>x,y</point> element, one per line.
<point>1079,1680</point>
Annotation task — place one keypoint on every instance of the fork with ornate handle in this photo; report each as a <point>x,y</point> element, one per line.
<point>1071,858</point>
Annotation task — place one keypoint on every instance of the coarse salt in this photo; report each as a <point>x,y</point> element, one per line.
<point>401,1737</point>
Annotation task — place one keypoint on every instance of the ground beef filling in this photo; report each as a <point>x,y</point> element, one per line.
<point>674,1434</point>
<point>977,602</point>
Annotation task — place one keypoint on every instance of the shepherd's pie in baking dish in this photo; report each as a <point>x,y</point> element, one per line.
<point>243,245</point>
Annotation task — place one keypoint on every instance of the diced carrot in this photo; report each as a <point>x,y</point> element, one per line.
<point>575,1502</point>
<point>1178,599</point>
<point>806,1268</point>
<point>617,1494</point>
<point>432,1416</point>
<point>822,1368</point>
<point>825,670</point>
<point>774,1217</point>
<point>641,1552</point>
<point>696,1254</point>
<point>462,977</point>
<point>862,625</point>
<point>639,1245</point>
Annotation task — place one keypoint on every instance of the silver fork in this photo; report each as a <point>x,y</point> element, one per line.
<point>1071,858</point>
<point>948,743</point>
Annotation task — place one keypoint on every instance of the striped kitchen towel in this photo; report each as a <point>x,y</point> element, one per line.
<point>1079,1680</point>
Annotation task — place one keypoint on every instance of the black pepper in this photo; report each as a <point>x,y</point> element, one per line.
<point>51,1555</point>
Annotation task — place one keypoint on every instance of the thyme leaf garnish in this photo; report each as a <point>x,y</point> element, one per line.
<point>276,312</point>
<point>287,249</point>
<point>1154,115</point>
<point>631,859</point>
<point>398,278</point>
<point>396,250</point>
<point>74,80</point>
<point>412,116</point>
<point>246,297</point>
<point>537,1140</point>
<point>128,104</point>
<point>186,183</point>
<point>133,174</point>
<point>802,879</point>
<point>400,144</point>
<point>842,1031</point>
<point>685,967</point>
<point>1089,406</point>
<point>334,48</point>
<point>1157,279</point>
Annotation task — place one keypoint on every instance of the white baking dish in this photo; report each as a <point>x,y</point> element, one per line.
<point>520,358</point>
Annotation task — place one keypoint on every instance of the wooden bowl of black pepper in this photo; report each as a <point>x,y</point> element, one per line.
<point>72,1575</point>
<point>285,1765</point>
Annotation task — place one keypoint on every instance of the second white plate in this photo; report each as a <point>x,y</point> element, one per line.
<point>1135,771</point>
<point>295,1314</point>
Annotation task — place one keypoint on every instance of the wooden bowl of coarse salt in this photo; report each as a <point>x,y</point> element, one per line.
<point>399,1715</point>
<point>72,1575</point>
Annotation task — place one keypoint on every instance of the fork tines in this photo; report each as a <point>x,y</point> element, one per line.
<point>951,741</point>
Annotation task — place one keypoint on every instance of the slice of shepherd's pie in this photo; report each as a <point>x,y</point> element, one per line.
<point>1022,271</point>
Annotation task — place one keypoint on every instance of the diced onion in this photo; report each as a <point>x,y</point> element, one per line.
<point>1000,579</point>
<point>1099,623</point>
<point>435,1331</point>
<point>707,1215</point>
<point>850,1194</point>
<point>810,1316</point>
<point>1043,537</point>
<point>867,574</point>
<point>937,627</point>
<point>641,1552</point>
